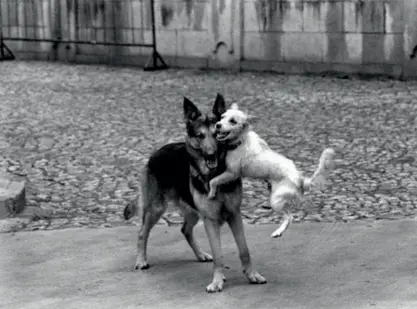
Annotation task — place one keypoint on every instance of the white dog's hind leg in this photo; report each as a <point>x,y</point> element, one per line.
<point>320,175</point>
<point>283,227</point>
<point>283,195</point>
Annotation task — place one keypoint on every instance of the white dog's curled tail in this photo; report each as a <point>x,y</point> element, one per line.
<point>320,175</point>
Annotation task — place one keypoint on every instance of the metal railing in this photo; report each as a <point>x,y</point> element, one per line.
<point>92,22</point>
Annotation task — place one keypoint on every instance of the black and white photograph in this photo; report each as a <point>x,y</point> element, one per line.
<point>159,154</point>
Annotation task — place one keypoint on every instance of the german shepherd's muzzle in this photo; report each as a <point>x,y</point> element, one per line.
<point>181,172</point>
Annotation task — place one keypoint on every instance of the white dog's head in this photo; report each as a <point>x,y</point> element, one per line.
<point>232,124</point>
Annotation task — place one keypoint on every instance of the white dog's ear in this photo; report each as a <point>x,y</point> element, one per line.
<point>234,106</point>
<point>250,117</point>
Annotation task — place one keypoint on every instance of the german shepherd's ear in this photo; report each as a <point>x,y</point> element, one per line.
<point>219,106</point>
<point>191,112</point>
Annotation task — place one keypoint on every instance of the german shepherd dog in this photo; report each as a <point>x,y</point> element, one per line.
<point>180,172</point>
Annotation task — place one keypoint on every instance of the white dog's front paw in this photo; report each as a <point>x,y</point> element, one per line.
<point>212,194</point>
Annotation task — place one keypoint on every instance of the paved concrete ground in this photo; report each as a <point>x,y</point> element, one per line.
<point>80,134</point>
<point>315,265</point>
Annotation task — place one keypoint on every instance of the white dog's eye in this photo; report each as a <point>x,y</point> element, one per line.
<point>232,121</point>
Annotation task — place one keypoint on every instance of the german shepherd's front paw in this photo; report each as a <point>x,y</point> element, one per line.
<point>204,257</point>
<point>216,285</point>
<point>255,278</point>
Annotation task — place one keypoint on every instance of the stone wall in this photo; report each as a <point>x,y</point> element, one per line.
<point>366,36</point>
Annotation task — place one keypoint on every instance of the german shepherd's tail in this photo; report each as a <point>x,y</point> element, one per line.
<point>130,210</point>
<point>133,207</point>
<point>320,175</point>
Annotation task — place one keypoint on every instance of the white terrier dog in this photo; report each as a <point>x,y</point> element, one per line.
<point>249,155</point>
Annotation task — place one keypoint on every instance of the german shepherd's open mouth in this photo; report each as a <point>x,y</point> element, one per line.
<point>211,161</point>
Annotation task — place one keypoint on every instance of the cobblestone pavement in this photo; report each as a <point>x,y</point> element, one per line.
<point>80,135</point>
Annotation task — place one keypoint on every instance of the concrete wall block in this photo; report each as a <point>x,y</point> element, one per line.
<point>292,15</point>
<point>373,16</point>
<point>140,36</point>
<point>263,46</point>
<point>11,17</point>
<point>21,13</point>
<point>46,14</point>
<point>333,17</point>
<point>15,46</point>
<point>126,14</point>
<point>83,34</point>
<point>126,36</point>
<point>175,15</point>
<point>323,16</point>
<point>29,13</point>
<point>6,31</point>
<point>31,46</point>
<point>93,50</point>
<point>410,36</point>
<point>64,16</point>
<point>394,48</point>
<point>223,28</point>
<point>138,19</point>
<point>334,48</point>
<point>354,48</point>
<point>373,48</point>
<point>167,42</point>
<point>98,35</point>
<point>352,16</point>
<point>5,14</point>
<point>314,16</point>
<point>12,32</point>
<point>194,43</point>
<point>394,16</point>
<point>253,21</point>
<point>304,46</point>
<point>42,33</point>
<point>265,15</point>
<point>188,62</point>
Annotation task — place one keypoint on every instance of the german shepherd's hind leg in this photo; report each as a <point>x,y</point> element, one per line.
<point>150,218</point>
<point>154,206</point>
<point>236,225</point>
<point>213,232</point>
<point>190,220</point>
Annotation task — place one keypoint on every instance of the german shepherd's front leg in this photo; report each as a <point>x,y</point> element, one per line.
<point>213,232</point>
<point>236,225</point>
<point>223,178</point>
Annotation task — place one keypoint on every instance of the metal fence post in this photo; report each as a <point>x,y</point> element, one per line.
<point>5,52</point>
